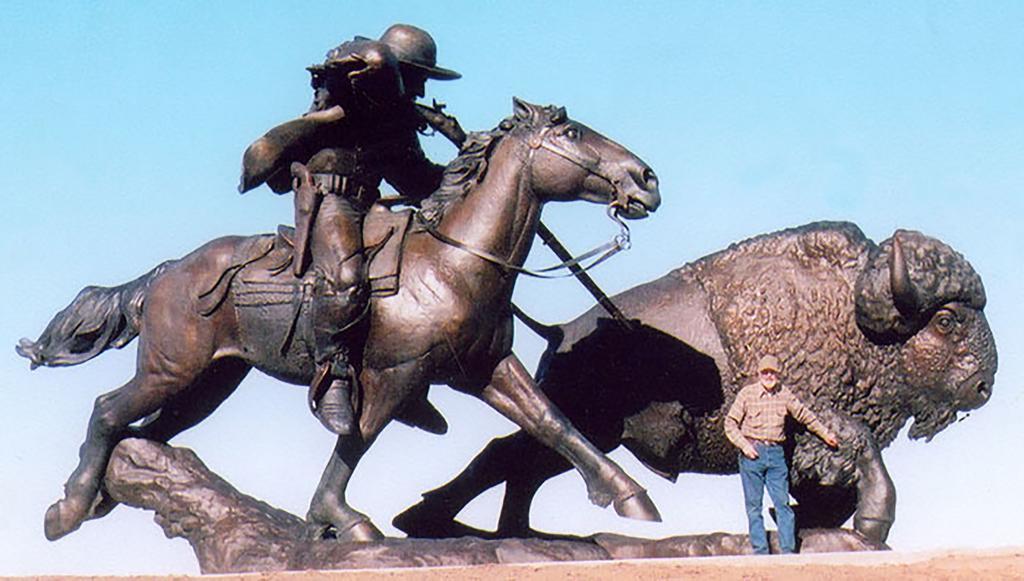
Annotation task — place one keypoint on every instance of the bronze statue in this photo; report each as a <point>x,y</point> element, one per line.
<point>361,129</point>
<point>231,532</point>
<point>443,316</point>
<point>872,334</point>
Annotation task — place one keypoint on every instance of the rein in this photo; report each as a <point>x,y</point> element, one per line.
<point>574,265</point>
<point>603,252</point>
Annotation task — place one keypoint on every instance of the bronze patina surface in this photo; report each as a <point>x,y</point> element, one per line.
<point>449,321</point>
<point>873,335</point>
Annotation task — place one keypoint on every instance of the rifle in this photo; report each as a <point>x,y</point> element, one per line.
<point>441,122</point>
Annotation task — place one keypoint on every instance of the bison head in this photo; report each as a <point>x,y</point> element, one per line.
<point>922,295</point>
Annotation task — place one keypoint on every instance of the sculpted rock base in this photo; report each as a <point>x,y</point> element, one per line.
<point>232,533</point>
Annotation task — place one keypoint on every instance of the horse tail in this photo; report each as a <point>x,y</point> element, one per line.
<point>99,318</point>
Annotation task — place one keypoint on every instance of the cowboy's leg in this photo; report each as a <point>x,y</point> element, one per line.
<point>752,478</point>
<point>776,479</point>
<point>340,296</point>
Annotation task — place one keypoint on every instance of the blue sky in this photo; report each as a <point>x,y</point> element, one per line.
<point>121,134</point>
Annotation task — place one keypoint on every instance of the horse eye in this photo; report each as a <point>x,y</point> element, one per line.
<point>572,133</point>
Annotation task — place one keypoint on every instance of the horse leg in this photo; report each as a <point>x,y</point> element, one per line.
<point>112,413</point>
<point>513,393</point>
<point>204,396</point>
<point>175,349</point>
<point>383,392</point>
<point>329,513</point>
<point>185,411</point>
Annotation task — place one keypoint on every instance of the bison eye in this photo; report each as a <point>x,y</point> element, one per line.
<point>945,321</point>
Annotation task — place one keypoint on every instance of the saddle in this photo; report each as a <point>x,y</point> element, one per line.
<point>268,280</point>
<point>270,299</point>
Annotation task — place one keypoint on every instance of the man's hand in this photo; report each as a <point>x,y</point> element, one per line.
<point>332,115</point>
<point>751,453</point>
<point>831,441</point>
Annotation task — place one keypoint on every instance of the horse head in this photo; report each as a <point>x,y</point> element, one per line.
<point>570,161</point>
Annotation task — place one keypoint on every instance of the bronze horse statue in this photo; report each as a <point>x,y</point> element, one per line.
<point>449,322</point>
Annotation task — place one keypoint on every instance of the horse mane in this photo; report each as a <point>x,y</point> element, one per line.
<point>464,172</point>
<point>470,167</point>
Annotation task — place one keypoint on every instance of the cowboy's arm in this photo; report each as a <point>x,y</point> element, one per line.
<point>359,67</point>
<point>418,177</point>
<point>732,427</point>
<point>805,416</point>
<point>268,158</point>
<point>414,177</point>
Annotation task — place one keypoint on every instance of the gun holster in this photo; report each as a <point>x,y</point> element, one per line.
<point>307,202</point>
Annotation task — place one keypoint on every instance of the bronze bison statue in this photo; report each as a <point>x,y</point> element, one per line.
<point>870,336</point>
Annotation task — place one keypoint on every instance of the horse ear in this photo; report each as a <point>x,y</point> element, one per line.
<point>559,115</point>
<point>522,110</point>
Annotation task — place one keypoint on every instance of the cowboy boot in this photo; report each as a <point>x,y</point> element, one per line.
<point>334,408</point>
<point>330,393</point>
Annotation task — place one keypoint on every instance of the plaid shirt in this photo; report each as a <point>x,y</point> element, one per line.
<point>759,414</point>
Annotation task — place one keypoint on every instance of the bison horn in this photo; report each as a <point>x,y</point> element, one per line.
<point>904,295</point>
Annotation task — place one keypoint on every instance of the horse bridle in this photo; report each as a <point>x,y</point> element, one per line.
<point>590,164</point>
<point>602,252</point>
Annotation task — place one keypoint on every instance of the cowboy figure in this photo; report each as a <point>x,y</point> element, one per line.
<point>361,129</point>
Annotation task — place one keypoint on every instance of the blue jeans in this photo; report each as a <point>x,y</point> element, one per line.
<point>767,471</point>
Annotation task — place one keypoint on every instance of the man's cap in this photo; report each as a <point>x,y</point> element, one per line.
<point>414,47</point>
<point>769,362</point>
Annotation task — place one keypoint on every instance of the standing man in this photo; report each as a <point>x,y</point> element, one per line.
<point>361,129</point>
<point>756,425</point>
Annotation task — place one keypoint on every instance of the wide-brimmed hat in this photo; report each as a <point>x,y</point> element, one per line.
<point>414,47</point>
<point>769,363</point>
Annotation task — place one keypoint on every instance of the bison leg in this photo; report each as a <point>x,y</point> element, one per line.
<point>522,486</point>
<point>434,516</point>
<point>513,393</point>
<point>823,506</point>
<point>876,496</point>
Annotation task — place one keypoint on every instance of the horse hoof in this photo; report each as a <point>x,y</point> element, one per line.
<point>58,522</point>
<point>361,532</point>
<point>638,506</point>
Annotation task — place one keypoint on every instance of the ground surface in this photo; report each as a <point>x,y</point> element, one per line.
<point>977,565</point>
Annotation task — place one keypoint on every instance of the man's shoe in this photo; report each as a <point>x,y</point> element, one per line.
<point>334,410</point>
